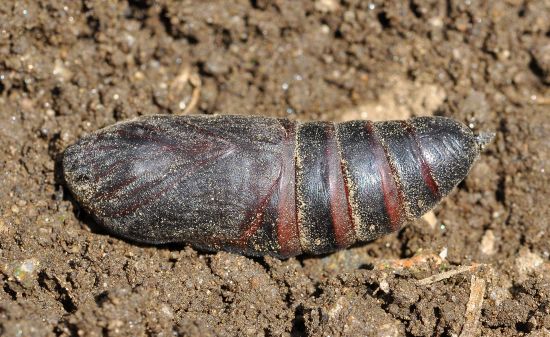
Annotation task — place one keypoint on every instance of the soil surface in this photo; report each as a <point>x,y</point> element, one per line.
<point>70,67</point>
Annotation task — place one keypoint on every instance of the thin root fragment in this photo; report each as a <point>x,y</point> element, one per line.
<point>178,85</point>
<point>181,80</point>
<point>196,82</point>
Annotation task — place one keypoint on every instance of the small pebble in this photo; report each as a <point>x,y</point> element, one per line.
<point>431,219</point>
<point>444,252</point>
<point>487,246</point>
<point>23,271</point>
<point>384,286</point>
<point>527,262</point>
<point>325,6</point>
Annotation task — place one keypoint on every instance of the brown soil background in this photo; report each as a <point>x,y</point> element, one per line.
<point>70,67</point>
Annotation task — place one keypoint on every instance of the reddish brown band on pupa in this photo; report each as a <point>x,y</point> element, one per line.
<point>257,185</point>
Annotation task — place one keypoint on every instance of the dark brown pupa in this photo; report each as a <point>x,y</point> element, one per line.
<point>258,185</point>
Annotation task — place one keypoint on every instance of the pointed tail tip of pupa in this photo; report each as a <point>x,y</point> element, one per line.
<point>483,139</point>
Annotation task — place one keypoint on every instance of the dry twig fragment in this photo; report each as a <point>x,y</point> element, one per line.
<point>473,308</point>
<point>447,274</point>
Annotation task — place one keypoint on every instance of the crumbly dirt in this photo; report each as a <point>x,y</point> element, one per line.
<point>70,67</point>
